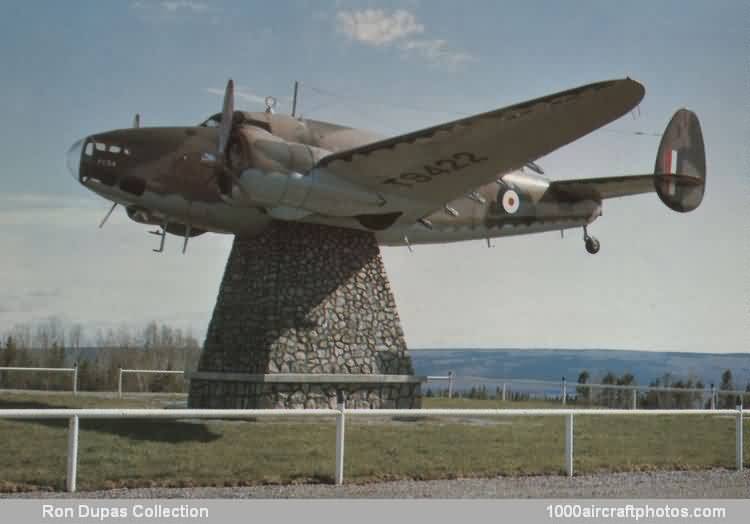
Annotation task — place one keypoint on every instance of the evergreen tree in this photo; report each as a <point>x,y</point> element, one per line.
<point>727,384</point>
<point>583,378</point>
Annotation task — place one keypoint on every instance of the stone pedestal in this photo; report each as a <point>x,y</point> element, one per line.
<point>305,312</point>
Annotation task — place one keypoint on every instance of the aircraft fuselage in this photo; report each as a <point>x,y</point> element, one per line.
<point>166,175</point>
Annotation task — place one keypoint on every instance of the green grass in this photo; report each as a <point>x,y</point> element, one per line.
<point>134,453</point>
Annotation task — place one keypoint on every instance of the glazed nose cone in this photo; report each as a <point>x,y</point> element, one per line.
<point>73,159</point>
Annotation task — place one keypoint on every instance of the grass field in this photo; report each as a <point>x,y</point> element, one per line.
<point>132,453</point>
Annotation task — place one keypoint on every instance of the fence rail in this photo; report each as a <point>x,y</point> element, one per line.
<point>73,370</point>
<point>340,414</point>
<point>565,386</point>
<point>451,378</point>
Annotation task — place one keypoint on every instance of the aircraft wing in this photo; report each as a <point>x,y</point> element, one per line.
<point>431,167</point>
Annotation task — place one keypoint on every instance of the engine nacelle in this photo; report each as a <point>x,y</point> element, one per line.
<point>279,175</point>
<point>253,147</point>
<point>317,192</point>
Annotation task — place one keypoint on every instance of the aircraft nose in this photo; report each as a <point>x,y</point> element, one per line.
<point>74,158</point>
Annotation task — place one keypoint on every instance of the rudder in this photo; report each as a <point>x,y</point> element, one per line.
<point>680,168</point>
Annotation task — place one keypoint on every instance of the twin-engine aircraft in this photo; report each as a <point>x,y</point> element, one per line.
<point>473,178</point>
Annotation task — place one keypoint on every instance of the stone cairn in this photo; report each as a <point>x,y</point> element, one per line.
<point>304,316</point>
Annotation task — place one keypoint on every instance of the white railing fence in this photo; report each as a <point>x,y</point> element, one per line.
<point>565,387</point>
<point>340,414</point>
<point>73,371</point>
<point>145,371</point>
<point>449,377</point>
<point>504,386</point>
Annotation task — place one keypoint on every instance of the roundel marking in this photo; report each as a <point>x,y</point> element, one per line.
<point>511,202</point>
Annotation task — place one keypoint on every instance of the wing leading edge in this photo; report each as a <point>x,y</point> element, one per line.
<point>433,166</point>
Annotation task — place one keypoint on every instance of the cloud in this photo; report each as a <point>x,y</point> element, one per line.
<point>170,10</point>
<point>60,263</point>
<point>376,27</point>
<point>379,28</point>
<point>60,211</point>
<point>184,5</point>
<point>436,51</point>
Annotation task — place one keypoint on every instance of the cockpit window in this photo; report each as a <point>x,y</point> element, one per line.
<point>214,121</point>
<point>240,119</point>
<point>111,149</point>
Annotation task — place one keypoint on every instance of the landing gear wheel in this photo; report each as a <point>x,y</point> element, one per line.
<point>592,245</point>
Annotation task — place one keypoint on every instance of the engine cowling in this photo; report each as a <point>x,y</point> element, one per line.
<point>274,173</point>
<point>253,147</point>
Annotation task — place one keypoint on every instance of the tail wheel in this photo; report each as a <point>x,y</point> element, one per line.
<point>592,245</point>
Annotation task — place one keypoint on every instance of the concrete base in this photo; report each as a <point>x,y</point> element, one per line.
<point>296,391</point>
<point>304,312</point>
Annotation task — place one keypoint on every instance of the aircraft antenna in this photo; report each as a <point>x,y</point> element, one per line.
<point>294,98</point>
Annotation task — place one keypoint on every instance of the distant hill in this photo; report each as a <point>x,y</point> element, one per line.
<point>553,364</point>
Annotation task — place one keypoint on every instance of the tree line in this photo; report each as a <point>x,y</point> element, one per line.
<point>98,356</point>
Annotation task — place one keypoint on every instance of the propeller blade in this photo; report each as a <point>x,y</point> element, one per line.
<point>226,117</point>
<point>137,120</point>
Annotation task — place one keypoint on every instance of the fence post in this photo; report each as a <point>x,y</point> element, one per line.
<point>119,384</point>
<point>450,384</point>
<point>503,391</point>
<point>564,391</point>
<point>340,426</point>
<point>713,397</point>
<point>75,378</point>
<point>635,398</point>
<point>569,444</point>
<point>591,395</point>
<point>72,453</point>
<point>740,440</point>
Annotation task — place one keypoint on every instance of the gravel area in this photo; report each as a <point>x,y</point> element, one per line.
<point>662,484</point>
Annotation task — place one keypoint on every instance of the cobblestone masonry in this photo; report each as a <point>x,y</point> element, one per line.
<point>304,298</point>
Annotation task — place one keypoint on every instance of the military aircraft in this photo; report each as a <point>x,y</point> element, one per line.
<point>472,178</point>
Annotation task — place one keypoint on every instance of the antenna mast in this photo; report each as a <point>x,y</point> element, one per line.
<point>294,99</point>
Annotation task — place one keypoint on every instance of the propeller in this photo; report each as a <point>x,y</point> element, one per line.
<point>222,171</point>
<point>227,112</point>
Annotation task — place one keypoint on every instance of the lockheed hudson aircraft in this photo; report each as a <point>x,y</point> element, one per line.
<point>473,178</point>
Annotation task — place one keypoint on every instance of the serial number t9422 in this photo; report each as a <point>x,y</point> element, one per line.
<point>444,166</point>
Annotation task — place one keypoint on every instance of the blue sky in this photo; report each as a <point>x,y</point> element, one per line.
<point>662,281</point>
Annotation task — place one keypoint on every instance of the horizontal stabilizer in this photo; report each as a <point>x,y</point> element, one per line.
<point>679,176</point>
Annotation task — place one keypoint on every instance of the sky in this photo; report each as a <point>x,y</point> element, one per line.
<point>663,281</point>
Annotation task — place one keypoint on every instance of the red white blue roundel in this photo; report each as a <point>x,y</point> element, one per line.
<point>511,202</point>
